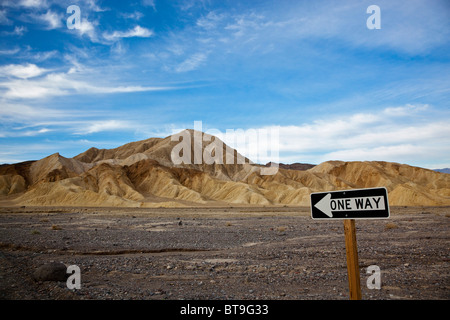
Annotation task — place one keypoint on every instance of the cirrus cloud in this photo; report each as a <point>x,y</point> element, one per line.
<point>23,71</point>
<point>56,84</point>
<point>137,31</point>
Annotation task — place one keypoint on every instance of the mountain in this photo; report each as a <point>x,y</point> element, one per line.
<point>445,170</point>
<point>143,174</point>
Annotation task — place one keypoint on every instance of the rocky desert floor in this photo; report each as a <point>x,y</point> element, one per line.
<point>248,253</point>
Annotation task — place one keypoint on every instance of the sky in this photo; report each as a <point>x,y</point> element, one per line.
<point>331,87</point>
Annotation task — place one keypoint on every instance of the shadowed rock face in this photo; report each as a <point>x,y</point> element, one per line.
<point>294,166</point>
<point>142,174</point>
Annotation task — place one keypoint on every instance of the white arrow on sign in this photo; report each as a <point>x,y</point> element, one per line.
<point>328,205</point>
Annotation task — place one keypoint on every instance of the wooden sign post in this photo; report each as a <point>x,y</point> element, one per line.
<point>352,259</point>
<point>369,203</point>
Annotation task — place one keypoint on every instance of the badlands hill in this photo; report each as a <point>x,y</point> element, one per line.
<point>142,174</point>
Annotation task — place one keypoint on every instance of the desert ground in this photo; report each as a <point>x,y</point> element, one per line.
<point>208,253</point>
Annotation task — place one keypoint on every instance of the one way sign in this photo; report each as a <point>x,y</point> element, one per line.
<point>369,203</point>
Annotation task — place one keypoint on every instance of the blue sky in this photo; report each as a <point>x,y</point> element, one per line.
<point>334,89</point>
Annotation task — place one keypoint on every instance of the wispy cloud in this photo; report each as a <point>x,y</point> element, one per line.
<point>149,3</point>
<point>23,71</point>
<point>33,3</point>
<point>345,23</point>
<point>211,20</point>
<point>136,15</point>
<point>191,63</point>
<point>30,4</point>
<point>4,18</point>
<point>50,19</point>
<point>247,23</point>
<point>56,84</point>
<point>87,28</point>
<point>18,31</point>
<point>105,125</point>
<point>15,113</point>
<point>406,110</point>
<point>40,56</point>
<point>29,54</point>
<point>93,6</point>
<point>21,133</point>
<point>9,51</point>
<point>137,31</point>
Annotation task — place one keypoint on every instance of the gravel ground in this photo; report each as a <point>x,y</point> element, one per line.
<point>221,253</point>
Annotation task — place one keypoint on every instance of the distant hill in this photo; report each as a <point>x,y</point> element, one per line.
<point>294,166</point>
<point>445,170</point>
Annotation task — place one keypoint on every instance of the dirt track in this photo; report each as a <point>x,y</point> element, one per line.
<point>221,253</point>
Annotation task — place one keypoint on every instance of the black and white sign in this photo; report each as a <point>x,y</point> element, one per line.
<point>369,203</point>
